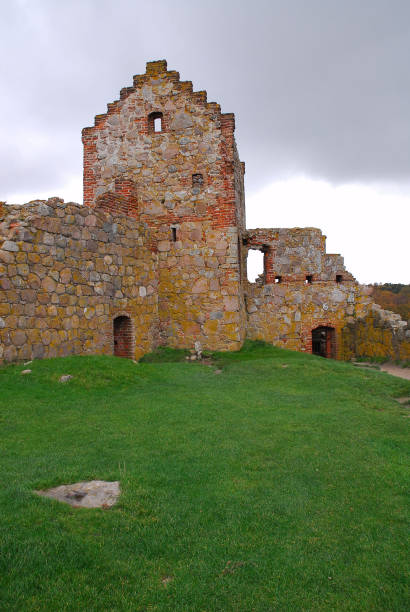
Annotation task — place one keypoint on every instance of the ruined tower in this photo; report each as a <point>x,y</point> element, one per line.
<point>158,254</point>
<point>165,155</point>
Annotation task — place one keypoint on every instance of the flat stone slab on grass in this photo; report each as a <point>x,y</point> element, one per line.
<point>92,494</point>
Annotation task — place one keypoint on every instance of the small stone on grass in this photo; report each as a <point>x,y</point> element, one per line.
<point>65,378</point>
<point>26,372</point>
<point>92,494</point>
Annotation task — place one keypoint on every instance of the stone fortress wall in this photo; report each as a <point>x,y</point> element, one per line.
<point>66,273</point>
<point>157,256</point>
<point>302,288</point>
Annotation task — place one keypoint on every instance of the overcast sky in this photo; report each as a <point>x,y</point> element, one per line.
<point>320,90</point>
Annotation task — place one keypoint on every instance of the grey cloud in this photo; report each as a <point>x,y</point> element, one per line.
<point>319,87</point>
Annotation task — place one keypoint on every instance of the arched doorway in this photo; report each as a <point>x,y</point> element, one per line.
<point>324,342</point>
<point>123,340</point>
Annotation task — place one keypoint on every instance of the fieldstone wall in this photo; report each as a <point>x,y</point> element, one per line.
<point>378,334</point>
<point>293,254</point>
<point>186,183</point>
<point>66,272</point>
<point>161,247</point>
<point>302,288</point>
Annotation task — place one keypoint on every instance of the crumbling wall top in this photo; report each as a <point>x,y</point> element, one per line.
<point>296,254</point>
<point>17,221</point>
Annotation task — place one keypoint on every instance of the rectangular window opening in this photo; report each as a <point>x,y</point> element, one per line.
<point>339,278</point>
<point>278,279</point>
<point>255,265</point>
<point>174,234</point>
<point>155,124</point>
<point>309,279</point>
<point>158,124</point>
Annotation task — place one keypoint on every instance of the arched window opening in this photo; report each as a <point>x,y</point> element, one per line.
<point>155,123</point>
<point>255,266</point>
<point>324,342</point>
<point>123,339</point>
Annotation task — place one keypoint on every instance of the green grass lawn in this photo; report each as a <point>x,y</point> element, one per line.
<point>278,484</point>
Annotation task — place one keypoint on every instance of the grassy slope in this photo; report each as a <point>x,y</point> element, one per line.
<point>261,488</point>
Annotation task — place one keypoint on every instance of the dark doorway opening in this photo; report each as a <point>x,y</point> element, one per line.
<point>324,342</point>
<point>123,337</point>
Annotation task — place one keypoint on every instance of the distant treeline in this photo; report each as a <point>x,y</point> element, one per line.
<point>393,296</point>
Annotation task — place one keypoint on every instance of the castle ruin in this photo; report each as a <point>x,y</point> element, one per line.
<point>157,255</point>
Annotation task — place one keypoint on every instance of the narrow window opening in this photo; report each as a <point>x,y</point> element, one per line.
<point>174,234</point>
<point>197,180</point>
<point>309,279</point>
<point>278,279</point>
<point>240,260</point>
<point>339,278</point>
<point>155,124</point>
<point>123,338</point>
<point>255,266</point>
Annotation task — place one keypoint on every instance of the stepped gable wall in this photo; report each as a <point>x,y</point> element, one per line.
<point>302,288</point>
<point>185,181</point>
<point>66,272</point>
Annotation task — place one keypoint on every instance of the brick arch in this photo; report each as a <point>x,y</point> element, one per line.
<point>324,341</point>
<point>333,338</point>
<point>123,335</point>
